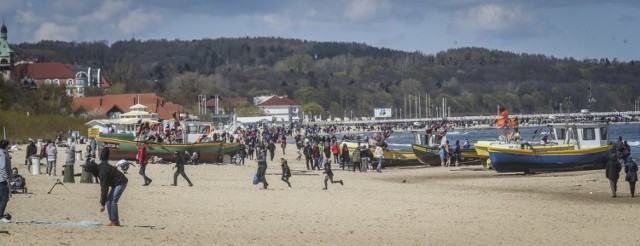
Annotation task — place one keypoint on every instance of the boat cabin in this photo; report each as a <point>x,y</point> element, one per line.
<point>582,135</point>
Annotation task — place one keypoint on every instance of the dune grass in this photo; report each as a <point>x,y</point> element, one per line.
<point>19,127</point>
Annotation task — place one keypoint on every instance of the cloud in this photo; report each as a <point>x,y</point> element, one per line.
<point>108,10</point>
<point>26,16</point>
<point>497,20</point>
<point>53,31</point>
<point>359,10</point>
<point>137,21</point>
<point>277,23</point>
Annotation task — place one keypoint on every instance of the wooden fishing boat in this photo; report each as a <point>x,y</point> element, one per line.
<point>586,146</point>
<point>230,149</point>
<point>429,155</point>
<point>423,144</point>
<point>530,160</point>
<point>391,157</point>
<point>209,152</point>
<point>482,147</point>
<point>425,155</point>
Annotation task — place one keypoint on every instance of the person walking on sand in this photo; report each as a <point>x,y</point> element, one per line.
<point>344,157</point>
<point>613,168</point>
<point>272,149</point>
<point>262,166</point>
<point>286,172</point>
<point>31,151</point>
<point>142,162</point>
<point>52,156</point>
<point>355,159</point>
<point>631,169</point>
<point>179,169</point>
<point>283,144</point>
<point>5,180</point>
<point>335,150</point>
<point>109,177</point>
<point>328,175</point>
<point>380,156</point>
<point>308,155</point>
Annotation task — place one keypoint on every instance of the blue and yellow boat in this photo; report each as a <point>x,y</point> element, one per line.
<point>586,147</point>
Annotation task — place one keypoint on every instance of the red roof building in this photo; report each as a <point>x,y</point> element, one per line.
<point>76,79</point>
<point>114,105</point>
<point>281,108</point>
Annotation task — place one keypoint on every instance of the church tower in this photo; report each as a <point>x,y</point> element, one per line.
<point>6,54</point>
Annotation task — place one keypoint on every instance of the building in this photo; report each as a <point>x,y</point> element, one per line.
<point>76,79</point>
<point>126,121</point>
<point>113,106</point>
<point>281,109</point>
<point>6,54</point>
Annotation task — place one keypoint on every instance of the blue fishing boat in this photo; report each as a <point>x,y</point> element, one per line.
<point>587,148</point>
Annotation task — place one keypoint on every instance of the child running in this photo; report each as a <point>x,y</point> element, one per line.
<point>328,174</point>
<point>286,172</point>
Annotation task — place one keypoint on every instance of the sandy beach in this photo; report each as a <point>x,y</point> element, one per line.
<point>401,206</point>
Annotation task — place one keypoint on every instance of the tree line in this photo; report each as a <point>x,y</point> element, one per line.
<point>337,77</point>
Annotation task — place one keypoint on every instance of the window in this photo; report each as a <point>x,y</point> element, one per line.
<point>48,81</point>
<point>588,134</point>
<point>69,82</point>
<point>562,133</point>
<point>56,81</point>
<point>603,133</point>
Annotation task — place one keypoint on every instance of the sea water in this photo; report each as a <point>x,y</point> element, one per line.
<point>402,140</point>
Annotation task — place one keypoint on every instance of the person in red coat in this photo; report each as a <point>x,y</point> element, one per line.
<point>142,162</point>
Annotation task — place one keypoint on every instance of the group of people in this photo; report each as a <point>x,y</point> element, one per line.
<point>621,156</point>
<point>260,177</point>
<point>450,153</point>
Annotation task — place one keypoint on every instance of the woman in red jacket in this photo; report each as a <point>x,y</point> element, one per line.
<point>142,162</point>
<point>335,150</point>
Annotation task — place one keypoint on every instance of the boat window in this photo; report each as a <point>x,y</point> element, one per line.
<point>562,133</point>
<point>588,134</point>
<point>603,133</point>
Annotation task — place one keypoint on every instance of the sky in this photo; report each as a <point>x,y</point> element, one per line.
<point>582,29</point>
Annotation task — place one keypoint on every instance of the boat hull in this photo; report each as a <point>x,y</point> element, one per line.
<point>230,148</point>
<point>482,147</point>
<point>126,149</point>
<point>430,156</point>
<point>391,157</point>
<point>425,155</point>
<point>535,160</point>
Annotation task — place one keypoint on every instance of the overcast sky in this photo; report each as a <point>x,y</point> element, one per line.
<point>561,28</point>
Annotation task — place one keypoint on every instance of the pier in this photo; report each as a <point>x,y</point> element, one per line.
<point>536,119</point>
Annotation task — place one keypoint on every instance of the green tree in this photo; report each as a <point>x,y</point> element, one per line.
<point>312,108</point>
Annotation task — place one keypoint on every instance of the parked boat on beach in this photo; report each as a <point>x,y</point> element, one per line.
<point>209,152</point>
<point>427,148</point>
<point>586,146</point>
<point>391,157</point>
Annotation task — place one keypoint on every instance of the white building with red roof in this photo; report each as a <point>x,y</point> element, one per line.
<point>76,79</point>
<point>281,109</point>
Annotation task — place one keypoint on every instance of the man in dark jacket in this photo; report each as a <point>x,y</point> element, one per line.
<point>613,168</point>
<point>272,149</point>
<point>262,166</point>
<point>109,176</point>
<point>179,169</point>
<point>308,153</point>
<point>31,150</point>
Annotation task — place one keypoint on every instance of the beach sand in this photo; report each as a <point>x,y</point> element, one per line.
<point>401,206</point>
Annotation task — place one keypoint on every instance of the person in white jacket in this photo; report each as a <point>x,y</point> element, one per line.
<point>52,156</point>
<point>380,155</point>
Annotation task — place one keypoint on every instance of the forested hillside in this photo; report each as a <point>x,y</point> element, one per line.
<point>352,76</point>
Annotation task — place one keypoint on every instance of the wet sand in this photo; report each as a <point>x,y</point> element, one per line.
<point>401,206</point>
